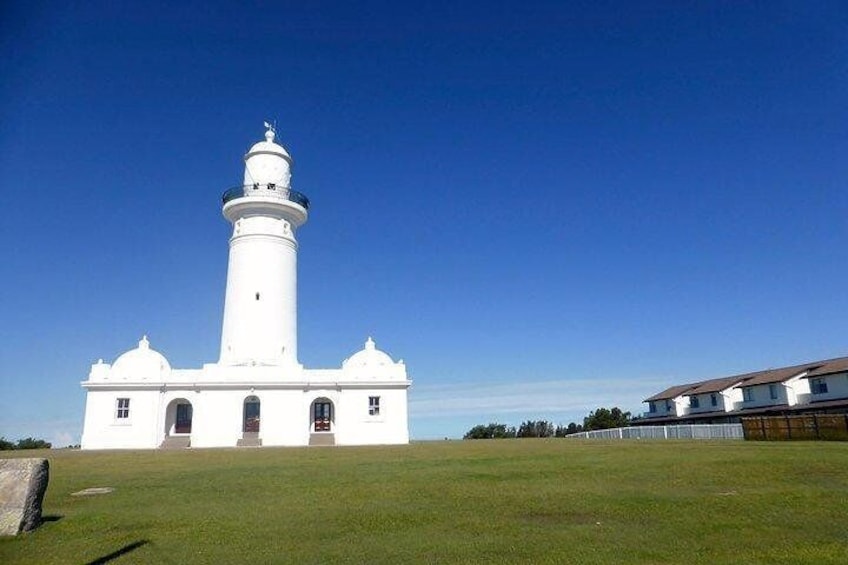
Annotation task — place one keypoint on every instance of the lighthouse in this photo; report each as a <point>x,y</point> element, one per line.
<point>257,394</point>
<point>260,307</point>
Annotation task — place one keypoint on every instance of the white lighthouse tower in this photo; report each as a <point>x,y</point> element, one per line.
<point>257,394</point>
<point>260,309</point>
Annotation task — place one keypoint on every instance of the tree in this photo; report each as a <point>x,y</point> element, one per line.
<point>603,419</point>
<point>6,445</point>
<point>530,428</point>
<point>32,443</point>
<point>493,430</point>
<point>477,432</point>
<point>572,428</point>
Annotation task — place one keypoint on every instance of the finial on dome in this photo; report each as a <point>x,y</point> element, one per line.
<point>272,131</point>
<point>369,343</point>
<point>144,343</point>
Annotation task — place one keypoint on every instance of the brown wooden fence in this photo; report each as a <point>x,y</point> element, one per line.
<point>832,427</point>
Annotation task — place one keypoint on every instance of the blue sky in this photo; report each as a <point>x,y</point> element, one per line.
<point>541,207</point>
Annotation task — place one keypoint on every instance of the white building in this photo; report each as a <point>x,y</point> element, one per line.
<point>814,387</point>
<point>257,393</point>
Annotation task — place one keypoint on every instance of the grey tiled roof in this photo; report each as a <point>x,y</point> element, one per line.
<point>672,392</point>
<point>837,365</point>
<point>768,376</point>
<point>716,385</point>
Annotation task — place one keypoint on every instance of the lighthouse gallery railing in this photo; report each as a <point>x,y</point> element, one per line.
<point>266,190</point>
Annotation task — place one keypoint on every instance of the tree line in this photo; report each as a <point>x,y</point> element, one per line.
<point>26,443</point>
<point>600,419</point>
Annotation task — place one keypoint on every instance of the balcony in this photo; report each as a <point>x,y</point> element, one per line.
<point>266,190</point>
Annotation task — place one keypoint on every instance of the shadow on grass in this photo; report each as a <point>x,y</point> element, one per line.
<point>51,518</point>
<point>115,554</point>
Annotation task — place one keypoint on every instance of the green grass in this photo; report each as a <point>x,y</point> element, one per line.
<point>496,501</point>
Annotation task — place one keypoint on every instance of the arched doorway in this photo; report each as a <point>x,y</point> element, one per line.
<point>322,422</point>
<point>250,420</point>
<point>178,418</point>
<point>322,415</point>
<point>250,423</point>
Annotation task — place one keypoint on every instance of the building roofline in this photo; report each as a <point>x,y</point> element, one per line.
<point>767,376</point>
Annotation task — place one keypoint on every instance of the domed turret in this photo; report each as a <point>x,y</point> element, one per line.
<point>370,356</point>
<point>266,189</point>
<point>267,163</point>
<point>141,363</point>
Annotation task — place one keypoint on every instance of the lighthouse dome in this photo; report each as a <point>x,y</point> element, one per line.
<point>370,356</point>
<point>141,363</point>
<point>267,162</point>
<point>269,146</point>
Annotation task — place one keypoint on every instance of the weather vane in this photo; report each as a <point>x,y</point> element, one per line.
<point>272,126</point>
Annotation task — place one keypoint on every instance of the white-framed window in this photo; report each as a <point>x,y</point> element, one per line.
<point>773,392</point>
<point>373,405</point>
<point>748,394</point>
<point>713,399</point>
<point>818,386</point>
<point>122,411</point>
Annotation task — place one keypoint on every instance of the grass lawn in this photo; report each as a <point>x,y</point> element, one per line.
<point>488,501</point>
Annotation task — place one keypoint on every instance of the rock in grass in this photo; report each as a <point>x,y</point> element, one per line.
<point>23,483</point>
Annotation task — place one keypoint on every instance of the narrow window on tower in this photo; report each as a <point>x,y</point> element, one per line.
<point>373,405</point>
<point>257,296</point>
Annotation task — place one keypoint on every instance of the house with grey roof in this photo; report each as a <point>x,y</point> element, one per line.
<point>672,402</point>
<point>828,383</point>
<point>815,387</point>
<point>716,395</point>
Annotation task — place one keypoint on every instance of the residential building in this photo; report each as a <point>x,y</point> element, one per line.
<point>815,387</point>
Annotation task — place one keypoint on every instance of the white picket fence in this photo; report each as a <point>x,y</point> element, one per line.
<point>683,431</point>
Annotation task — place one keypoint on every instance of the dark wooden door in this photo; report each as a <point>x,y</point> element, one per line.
<point>323,416</point>
<point>183,424</point>
<point>251,416</point>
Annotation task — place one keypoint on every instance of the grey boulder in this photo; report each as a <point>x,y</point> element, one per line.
<point>23,483</point>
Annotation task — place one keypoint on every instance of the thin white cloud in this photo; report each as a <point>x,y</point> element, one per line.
<point>532,399</point>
